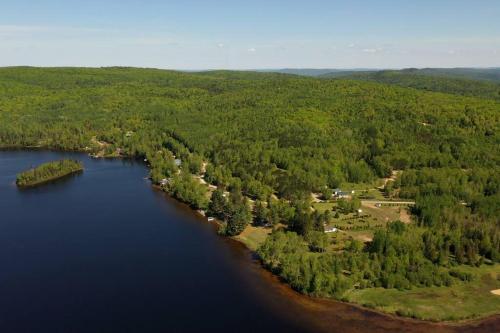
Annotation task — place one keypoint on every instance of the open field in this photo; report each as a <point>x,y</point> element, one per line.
<point>322,206</point>
<point>370,194</point>
<point>253,236</point>
<point>458,302</point>
<point>362,226</point>
<point>361,186</point>
<point>386,213</point>
<point>352,226</point>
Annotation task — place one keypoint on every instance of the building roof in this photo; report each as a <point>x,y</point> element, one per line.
<point>331,229</point>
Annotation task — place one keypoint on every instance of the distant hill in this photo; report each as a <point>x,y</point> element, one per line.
<point>314,71</point>
<point>451,81</point>
<point>488,74</point>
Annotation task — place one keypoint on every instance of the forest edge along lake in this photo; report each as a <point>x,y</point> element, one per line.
<point>104,251</point>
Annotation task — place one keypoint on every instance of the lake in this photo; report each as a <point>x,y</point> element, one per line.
<point>103,251</point>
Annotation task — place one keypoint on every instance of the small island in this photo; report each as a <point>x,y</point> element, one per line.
<point>48,171</point>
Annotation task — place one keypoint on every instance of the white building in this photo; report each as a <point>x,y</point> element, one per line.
<point>330,230</point>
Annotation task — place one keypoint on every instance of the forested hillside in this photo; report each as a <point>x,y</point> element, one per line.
<point>489,74</point>
<point>271,140</point>
<point>422,80</point>
<point>313,72</point>
<point>477,74</point>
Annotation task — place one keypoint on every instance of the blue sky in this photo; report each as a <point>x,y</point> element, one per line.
<point>193,34</point>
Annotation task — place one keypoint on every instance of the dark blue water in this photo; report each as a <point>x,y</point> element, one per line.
<point>104,252</point>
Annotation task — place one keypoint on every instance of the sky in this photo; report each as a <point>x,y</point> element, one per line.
<point>251,34</point>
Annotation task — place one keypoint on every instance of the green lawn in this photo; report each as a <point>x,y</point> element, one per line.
<point>384,213</point>
<point>322,206</point>
<point>358,187</point>
<point>351,225</point>
<point>253,236</point>
<point>458,302</point>
<point>371,194</point>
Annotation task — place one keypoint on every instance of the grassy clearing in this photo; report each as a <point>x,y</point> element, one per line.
<point>361,186</point>
<point>361,235</point>
<point>322,206</point>
<point>383,213</point>
<point>253,236</point>
<point>358,226</point>
<point>458,302</point>
<point>370,194</point>
<point>376,215</point>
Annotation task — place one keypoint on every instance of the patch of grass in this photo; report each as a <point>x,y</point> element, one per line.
<point>362,235</point>
<point>358,187</point>
<point>371,194</point>
<point>322,206</point>
<point>253,236</point>
<point>384,213</point>
<point>458,302</point>
<point>359,227</point>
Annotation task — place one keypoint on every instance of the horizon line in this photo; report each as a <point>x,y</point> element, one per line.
<point>256,69</point>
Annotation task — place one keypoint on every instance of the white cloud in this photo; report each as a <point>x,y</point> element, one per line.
<point>452,52</point>
<point>252,50</point>
<point>370,50</point>
<point>220,45</point>
<point>351,45</point>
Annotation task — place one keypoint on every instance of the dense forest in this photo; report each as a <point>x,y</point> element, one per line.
<point>422,80</point>
<point>266,141</point>
<point>486,74</point>
<point>48,171</point>
<point>476,74</point>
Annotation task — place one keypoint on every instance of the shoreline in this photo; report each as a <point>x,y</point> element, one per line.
<point>329,303</point>
<point>454,323</point>
<point>323,301</point>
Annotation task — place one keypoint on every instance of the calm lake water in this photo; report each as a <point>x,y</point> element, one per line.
<point>104,252</point>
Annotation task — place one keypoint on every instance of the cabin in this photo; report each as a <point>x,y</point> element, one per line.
<point>339,194</point>
<point>343,194</point>
<point>330,230</point>
<point>164,181</point>
<point>211,219</point>
<point>178,162</point>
